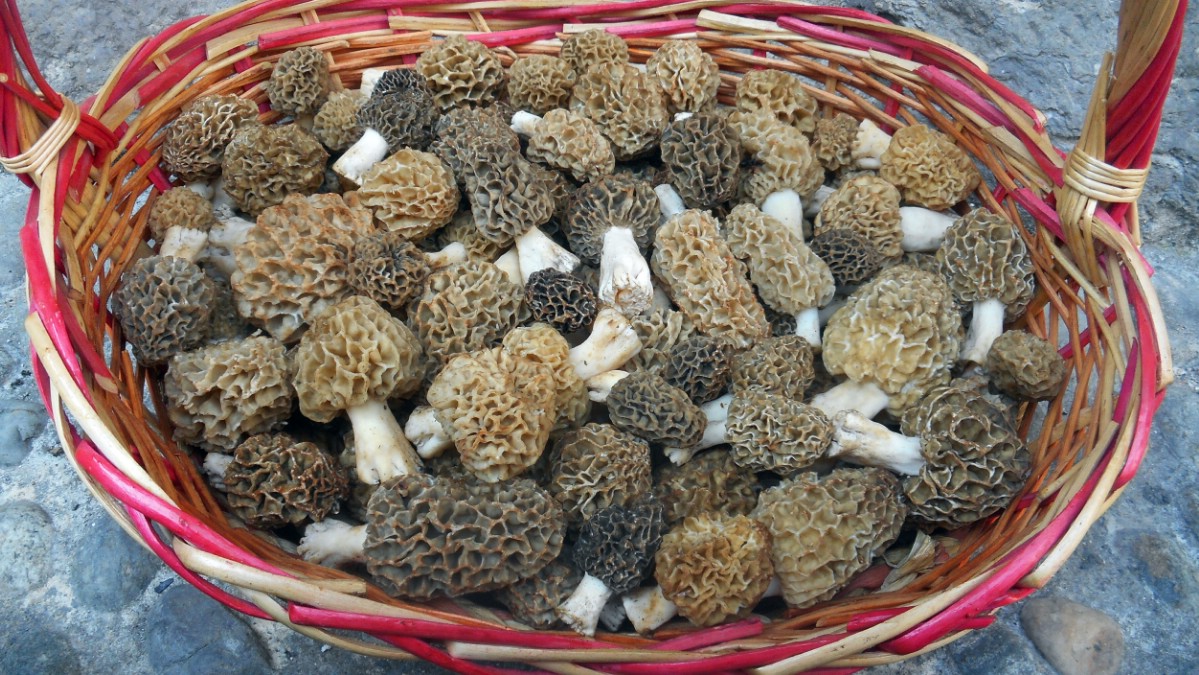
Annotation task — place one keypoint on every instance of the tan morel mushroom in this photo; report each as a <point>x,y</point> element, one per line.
<point>1025,366</point>
<point>293,262</point>
<point>594,46</point>
<point>825,530</point>
<point>611,224</point>
<point>784,162</point>
<point>709,483</point>
<point>566,141</point>
<point>779,93</point>
<point>596,467</point>
<point>461,72</point>
<point>534,600</point>
<point>299,83</point>
<point>275,480</point>
<point>336,123</point>
<point>461,229</point>
<point>928,168</point>
<point>465,307</point>
<point>404,118</point>
<point>702,157</point>
<point>353,358</point>
<point>625,103</point>
<point>701,366</point>
<point>687,75</point>
<point>219,395</point>
<point>195,141</point>
<point>164,306</point>
<point>986,262</point>
<point>541,343</point>
<point>659,330</point>
<point>779,365</point>
<point>388,269</point>
<point>179,221</point>
<point>411,192</point>
<point>265,164</point>
<point>869,206</point>
<point>540,83</point>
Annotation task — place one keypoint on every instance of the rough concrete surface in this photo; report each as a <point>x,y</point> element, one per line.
<point>76,595</point>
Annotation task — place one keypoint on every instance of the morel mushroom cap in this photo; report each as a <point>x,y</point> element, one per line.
<point>465,307</point>
<point>461,72</point>
<point>1025,366</point>
<point>499,408</point>
<point>828,529</point>
<point>703,157</point>
<point>299,82</point>
<point>568,141</point>
<point>780,94</point>
<point>564,301</point>
<point>164,305</point>
<point>659,330</point>
<point>265,164</point>
<point>461,229</point>
<point>713,568</point>
<point>625,103</point>
<point>293,262</point>
<point>534,600</point>
<point>611,223</point>
<point>594,46</point>
<point>399,80</point>
<point>986,262</point>
<point>218,395</point>
<point>195,142</point>
<point>709,483</point>
<point>507,195</point>
<point>388,269</point>
<point>834,140</point>
<point>411,192</point>
<point>706,280</point>
<point>644,404</point>
<point>687,75</point>
<point>898,335</point>
<point>404,118</point>
<point>774,433</point>
<point>430,536</point>
<point>779,365</point>
<point>540,83</point>
<point>850,255</point>
<point>869,206</point>
<point>275,480</point>
<point>785,162</point>
<point>928,168</point>
<point>541,343</point>
<point>336,123</point>
<point>700,366</point>
<point>596,467</point>
<point>353,358</point>
<point>179,221</point>
<point>462,129</point>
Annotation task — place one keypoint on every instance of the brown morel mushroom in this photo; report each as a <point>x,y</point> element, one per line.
<point>785,161</point>
<point>566,141</point>
<point>293,262</point>
<point>540,83</point>
<point>194,145</point>
<point>825,530</point>
<point>564,301</point>
<point>405,118</point>
<point>644,404</point>
<point>986,262</point>
<point>779,365</point>
<point>398,80</point>
<point>1025,366</point>
<point>222,393</point>
<point>702,156</point>
<point>928,168</point>
<point>411,192</point>
<point>388,269</point>
<point>541,343</point>
<point>615,550</point>
<point>336,123</point>
<point>353,358</point>
<point>427,536</point>
<point>465,307</point>
<point>179,221</point>
<point>627,105</point>
<point>461,72</point>
<point>686,74</point>
<point>833,141</point>
<point>594,46</point>
<point>596,467</point>
<point>164,305</point>
<point>265,164</point>
<point>780,94</point>
<point>869,206</point>
<point>299,82</point>
<point>460,131</point>
<point>709,483</point>
<point>700,366</point>
<point>275,480</point>
<point>850,256</point>
<point>659,330</point>
<point>534,600</point>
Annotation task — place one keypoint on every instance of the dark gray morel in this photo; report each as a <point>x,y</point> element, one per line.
<point>644,404</point>
<point>1025,366</point>
<point>164,305</point>
<point>701,367</point>
<point>562,300</point>
<point>389,269</point>
<point>274,480</point>
<point>534,600</point>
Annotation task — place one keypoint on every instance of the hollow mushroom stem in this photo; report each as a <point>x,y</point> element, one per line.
<point>986,324</point>
<point>923,229</point>
<point>862,441</point>
<point>612,342</point>
<point>648,608</point>
<point>381,451</point>
<point>581,611</point>
<point>786,207</point>
<point>509,264</point>
<point>427,433</point>
<point>537,252</point>
<point>624,280</point>
<point>612,616</point>
<point>865,397</point>
<point>333,542</point>
<point>525,123</point>
<point>669,201</point>
<point>600,386</point>
<point>367,151</point>
<point>812,208</point>
<point>807,326</point>
<point>370,79</point>
<point>453,252</point>
<point>715,433</point>
<point>869,145</point>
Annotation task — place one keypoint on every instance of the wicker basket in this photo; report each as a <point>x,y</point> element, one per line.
<point>90,167</point>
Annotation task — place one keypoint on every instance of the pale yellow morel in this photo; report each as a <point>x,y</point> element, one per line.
<point>867,205</point>
<point>710,483</point>
<point>779,93</point>
<point>774,433</point>
<point>540,342</point>
<point>570,142</point>
<point>626,104</point>
<point>833,141</point>
<point>594,46</point>
<point>336,123</point>
<point>411,191</point>
<point>300,82</point>
<point>929,169</point>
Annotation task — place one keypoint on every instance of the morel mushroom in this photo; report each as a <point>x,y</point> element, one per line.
<point>179,221</point>
<point>164,305</point>
<point>336,123</point>
<point>461,72</point>
<point>353,358</point>
<point>785,161</point>
<point>265,164</point>
<point>869,206</point>
<point>411,192</point>
<point>566,141</point>
<point>534,600</point>
<point>611,223</point>
<point>687,75</point>
<point>851,257</point>
<point>781,95</point>
<point>659,330</point>
<point>644,404</point>
<point>219,395</point>
<point>540,83</point>
<point>709,483</point>
<point>591,47</point>
<point>779,365</point>
<point>1025,366</point>
<point>388,269</point>
<point>833,141</point>
<point>404,118</point>
<point>702,156</point>
<point>541,343</point>
<point>194,145</point>
<point>596,467</point>
<point>928,168</point>
<point>625,103</point>
<point>465,307</point>
<point>986,262</point>
<point>700,366</point>
<point>274,480</point>
<point>461,131</point>
<point>299,82</point>
<point>563,301</point>
<point>461,230</point>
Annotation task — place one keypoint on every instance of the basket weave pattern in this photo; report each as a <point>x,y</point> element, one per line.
<point>90,165</point>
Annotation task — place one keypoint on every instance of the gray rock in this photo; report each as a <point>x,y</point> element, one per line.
<point>1168,572</point>
<point>26,541</point>
<point>1076,639</point>
<point>189,633</point>
<point>116,572</point>
<point>30,647</point>
<point>20,423</point>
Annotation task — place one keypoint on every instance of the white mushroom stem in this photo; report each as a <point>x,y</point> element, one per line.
<point>715,433</point>
<point>986,324</point>
<point>367,151</point>
<point>648,608</point>
<point>923,229</point>
<point>425,431</point>
<point>581,611</point>
<point>869,145</point>
<point>669,201</point>
<point>812,208</point>
<point>370,79</point>
<point>525,123</point>
<point>333,542</point>
<point>624,278</point>
<point>215,465</point>
<point>774,590</point>
<point>381,450</point>
<point>183,242</point>
<point>862,441</point>
<point>807,326</point>
<point>536,252</point>
<point>453,252</point>
<point>680,116</point>
<point>786,207</point>
<point>229,233</point>
<point>865,397</point>
<point>600,386</point>
<point>200,187</point>
<point>612,342</point>
<point>509,264</point>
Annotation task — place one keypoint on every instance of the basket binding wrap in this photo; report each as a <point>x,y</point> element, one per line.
<point>86,167</point>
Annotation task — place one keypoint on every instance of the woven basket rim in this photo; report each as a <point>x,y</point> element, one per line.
<point>1084,208</point>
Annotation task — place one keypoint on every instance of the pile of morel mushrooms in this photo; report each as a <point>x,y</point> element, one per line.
<point>575,333</point>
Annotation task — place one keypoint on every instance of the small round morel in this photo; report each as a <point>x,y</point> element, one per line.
<point>164,305</point>
<point>182,208</point>
<point>568,141</point>
<point>1025,366</point>
<point>627,105</point>
<point>412,192</point>
<point>540,83</point>
<point>405,118</point>
<point>928,168</point>
<point>834,140</point>
<point>265,164</point>
<point>534,600</point>
<point>688,76</point>
<point>562,300</point>
<point>700,366</point>
<point>299,82</point>
<point>642,403</point>
<point>850,255</point>
<point>779,93</point>
<point>274,481</point>
<point>336,123</point>
<point>869,206</point>
<point>461,72</point>
<point>389,269</point>
<point>465,307</point>
<point>773,433</point>
<point>709,483</point>
<point>583,50</point>
<point>399,79</point>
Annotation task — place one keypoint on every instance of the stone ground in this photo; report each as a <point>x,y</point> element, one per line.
<point>77,595</point>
